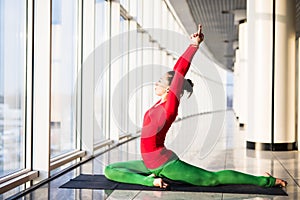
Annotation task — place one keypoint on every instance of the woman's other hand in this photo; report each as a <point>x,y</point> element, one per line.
<point>198,37</point>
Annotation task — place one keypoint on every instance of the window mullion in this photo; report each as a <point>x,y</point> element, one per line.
<point>42,88</point>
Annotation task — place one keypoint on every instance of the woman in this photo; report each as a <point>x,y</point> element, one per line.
<point>158,161</point>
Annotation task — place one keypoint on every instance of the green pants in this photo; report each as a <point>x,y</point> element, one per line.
<point>135,172</point>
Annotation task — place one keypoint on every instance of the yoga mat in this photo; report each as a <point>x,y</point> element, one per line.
<point>85,181</point>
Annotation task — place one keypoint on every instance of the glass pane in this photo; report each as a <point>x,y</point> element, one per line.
<point>101,127</point>
<point>63,74</point>
<point>12,85</point>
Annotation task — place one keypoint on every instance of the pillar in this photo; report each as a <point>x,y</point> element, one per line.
<point>271,74</point>
<point>242,61</point>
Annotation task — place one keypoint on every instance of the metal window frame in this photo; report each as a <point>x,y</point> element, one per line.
<point>66,158</point>
<point>17,179</point>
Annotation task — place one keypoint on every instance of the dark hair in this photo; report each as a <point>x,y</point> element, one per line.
<point>187,84</point>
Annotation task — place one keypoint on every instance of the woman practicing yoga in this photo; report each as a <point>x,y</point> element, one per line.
<point>158,161</point>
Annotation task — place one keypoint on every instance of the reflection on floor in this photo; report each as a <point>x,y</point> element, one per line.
<point>200,143</point>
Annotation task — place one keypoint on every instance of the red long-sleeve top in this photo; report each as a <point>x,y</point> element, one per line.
<point>159,118</point>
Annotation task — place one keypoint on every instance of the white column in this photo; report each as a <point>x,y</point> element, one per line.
<point>285,38</point>
<point>259,19</point>
<point>42,85</point>
<point>271,83</point>
<point>243,92</point>
<point>88,86</point>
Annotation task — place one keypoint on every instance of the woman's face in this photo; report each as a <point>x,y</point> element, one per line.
<point>161,85</point>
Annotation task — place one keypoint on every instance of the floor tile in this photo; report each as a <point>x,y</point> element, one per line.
<point>123,194</point>
<point>251,197</point>
<point>149,195</point>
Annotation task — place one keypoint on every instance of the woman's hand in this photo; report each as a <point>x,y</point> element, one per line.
<point>198,37</point>
<point>158,182</point>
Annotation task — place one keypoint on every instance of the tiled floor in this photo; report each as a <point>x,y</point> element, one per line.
<point>225,151</point>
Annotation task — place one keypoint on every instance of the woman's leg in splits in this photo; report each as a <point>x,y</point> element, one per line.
<point>181,171</point>
<point>134,172</point>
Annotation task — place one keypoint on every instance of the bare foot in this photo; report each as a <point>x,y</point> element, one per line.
<point>279,182</point>
<point>158,182</point>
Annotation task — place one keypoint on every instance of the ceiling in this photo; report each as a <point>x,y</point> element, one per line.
<point>219,19</point>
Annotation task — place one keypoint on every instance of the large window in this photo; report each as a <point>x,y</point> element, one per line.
<point>64,76</point>
<point>12,85</point>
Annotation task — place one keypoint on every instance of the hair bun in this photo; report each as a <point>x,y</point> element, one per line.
<point>190,82</point>
<point>188,86</point>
